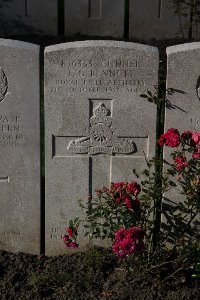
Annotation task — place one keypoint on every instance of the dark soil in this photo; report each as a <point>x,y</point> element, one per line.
<point>93,275</point>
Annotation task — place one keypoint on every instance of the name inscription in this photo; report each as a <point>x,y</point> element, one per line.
<point>100,76</point>
<point>10,130</point>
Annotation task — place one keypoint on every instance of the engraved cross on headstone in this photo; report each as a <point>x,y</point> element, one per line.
<point>101,146</point>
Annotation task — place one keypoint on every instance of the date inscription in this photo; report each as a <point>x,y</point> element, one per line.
<point>12,232</point>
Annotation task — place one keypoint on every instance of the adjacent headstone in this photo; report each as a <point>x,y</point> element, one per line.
<point>19,147</point>
<point>97,125</point>
<point>19,17</point>
<point>157,20</point>
<point>183,83</point>
<point>183,105</point>
<point>94,17</point>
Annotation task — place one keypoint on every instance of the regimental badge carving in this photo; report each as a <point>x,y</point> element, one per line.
<point>3,85</point>
<point>101,137</point>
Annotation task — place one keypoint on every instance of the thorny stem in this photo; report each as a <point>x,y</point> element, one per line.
<point>189,222</point>
<point>178,270</point>
<point>158,164</point>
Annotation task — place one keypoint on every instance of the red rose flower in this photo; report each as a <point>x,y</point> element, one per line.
<point>180,162</point>
<point>128,202</point>
<point>119,200</point>
<point>73,245</point>
<point>116,186</point>
<point>117,249</point>
<point>128,241</point>
<point>196,138</point>
<point>136,204</point>
<point>70,231</point>
<point>133,188</point>
<point>136,233</point>
<point>162,140</point>
<point>196,153</point>
<point>186,135</point>
<point>120,234</point>
<point>65,238</point>
<point>171,138</point>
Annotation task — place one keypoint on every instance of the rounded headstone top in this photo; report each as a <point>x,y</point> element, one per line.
<point>102,43</point>
<point>183,47</point>
<point>19,44</point>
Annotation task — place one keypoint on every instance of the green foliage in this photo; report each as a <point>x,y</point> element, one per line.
<point>99,260</point>
<point>187,9</point>
<point>49,279</point>
<point>196,274</point>
<point>182,7</point>
<point>153,97</point>
<point>105,217</point>
<point>189,251</point>
<point>151,197</point>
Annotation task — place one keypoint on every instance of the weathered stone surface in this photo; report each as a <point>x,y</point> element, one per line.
<point>183,76</point>
<point>97,125</point>
<point>28,17</point>
<point>155,19</point>
<point>19,147</point>
<point>94,17</point>
<point>183,107</point>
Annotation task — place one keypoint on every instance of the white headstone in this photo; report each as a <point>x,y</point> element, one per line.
<point>94,17</point>
<point>18,17</point>
<point>183,76</point>
<point>19,147</point>
<point>155,19</point>
<point>183,106</point>
<point>97,125</point>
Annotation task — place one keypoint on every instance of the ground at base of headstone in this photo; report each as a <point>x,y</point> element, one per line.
<point>95,274</point>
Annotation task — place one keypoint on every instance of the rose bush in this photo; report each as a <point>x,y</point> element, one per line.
<point>184,175</point>
<point>129,213</point>
<point>112,211</point>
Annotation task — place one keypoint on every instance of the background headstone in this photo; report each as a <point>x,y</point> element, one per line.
<point>97,125</point>
<point>18,17</point>
<point>196,22</point>
<point>94,17</point>
<point>19,147</point>
<point>155,19</point>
